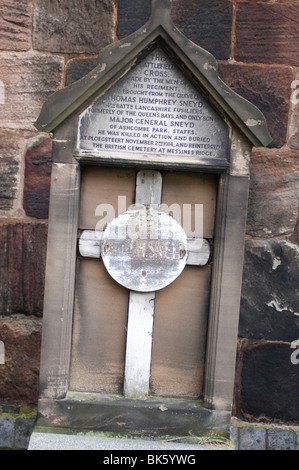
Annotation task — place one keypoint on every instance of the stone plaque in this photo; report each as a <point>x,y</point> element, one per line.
<point>144,249</point>
<point>154,109</point>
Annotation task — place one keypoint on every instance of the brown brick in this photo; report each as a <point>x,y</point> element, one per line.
<point>274,192</point>
<point>22,268</point>
<point>80,26</point>
<point>15,25</point>
<point>28,82</point>
<point>268,88</point>
<point>11,147</point>
<point>38,164</point>
<point>20,373</point>
<point>267,33</point>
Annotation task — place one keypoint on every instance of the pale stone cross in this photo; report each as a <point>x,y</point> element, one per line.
<point>141,303</point>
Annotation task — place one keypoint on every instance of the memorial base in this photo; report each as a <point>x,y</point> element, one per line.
<point>152,418</point>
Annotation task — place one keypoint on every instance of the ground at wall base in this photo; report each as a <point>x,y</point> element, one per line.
<point>16,431</point>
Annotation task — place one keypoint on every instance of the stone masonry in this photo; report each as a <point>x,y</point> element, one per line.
<point>47,44</point>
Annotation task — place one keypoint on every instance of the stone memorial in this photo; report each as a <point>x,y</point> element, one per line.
<point>150,179</point>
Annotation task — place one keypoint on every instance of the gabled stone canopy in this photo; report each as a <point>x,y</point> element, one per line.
<point>118,58</point>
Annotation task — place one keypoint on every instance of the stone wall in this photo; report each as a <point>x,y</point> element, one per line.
<point>45,44</point>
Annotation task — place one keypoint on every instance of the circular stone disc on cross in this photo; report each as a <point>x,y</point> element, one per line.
<point>144,249</point>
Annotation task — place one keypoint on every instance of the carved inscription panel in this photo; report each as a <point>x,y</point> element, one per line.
<point>154,109</point>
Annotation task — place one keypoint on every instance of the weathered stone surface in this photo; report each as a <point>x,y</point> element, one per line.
<point>280,439</point>
<point>267,33</point>
<point>293,140</point>
<point>38,164</point>
<point>208,25</point>
<point>11,147</point>
<point>268,380</point>
<point>28,82</point>
<point>15,25</point>
<point>22,268</point>
<point>78,68</point>
<point>132,16</point>
<point>274,192</point>
<point>268,88</point>
<point>19,375</point>
<point>23,430</point>
<point>270,295</point>
<point>252,438</point>
<point>80,26</point>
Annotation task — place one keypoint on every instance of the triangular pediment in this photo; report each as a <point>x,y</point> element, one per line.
<point>117,60</point>
<point>154,109</point>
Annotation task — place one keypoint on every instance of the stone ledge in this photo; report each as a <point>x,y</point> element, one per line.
<point>152,417</point>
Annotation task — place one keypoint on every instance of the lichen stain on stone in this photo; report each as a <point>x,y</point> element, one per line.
<point>253,122</point>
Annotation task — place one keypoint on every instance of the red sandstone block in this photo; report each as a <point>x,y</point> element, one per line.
<point>208,23</point>
<point>15,25</point>
<point>269,88</point>
<point>267,33</point>
<point>28,81</point>
<point>274,192</point>
<point>266,387</point>
<point>11,148</point>
<point>20,373</point>
<point>22,268</point>
<point>38,164</point>
<point>79,26</point>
